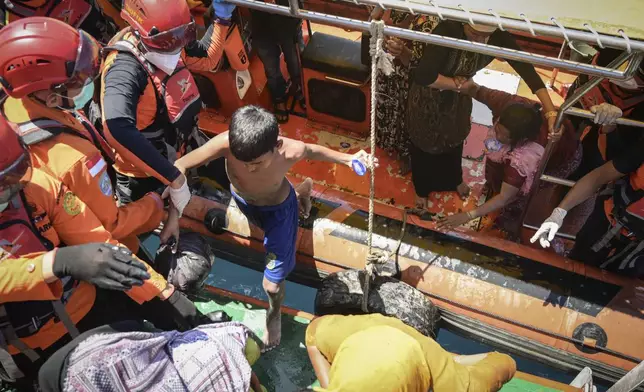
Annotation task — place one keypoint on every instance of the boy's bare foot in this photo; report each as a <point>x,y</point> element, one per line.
<point>303,192</point>
<point>463,191</point>
<point>273,332</point>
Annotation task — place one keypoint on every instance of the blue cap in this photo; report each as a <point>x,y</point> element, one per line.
<point>358,167</point>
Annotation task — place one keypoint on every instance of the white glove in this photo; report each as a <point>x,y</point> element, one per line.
<point>606,114</point>
<point>549,228</point>
<point>180,196</point>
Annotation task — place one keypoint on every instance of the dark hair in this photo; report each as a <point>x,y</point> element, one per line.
<point>253,133</point>
<point>522,121</point>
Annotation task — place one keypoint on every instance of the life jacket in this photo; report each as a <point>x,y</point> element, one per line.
<point>625,211</point>
<point>19,236</point>
<point>72,12</point>
<point>44,126</point>
<point>606,92</point>
<point>177,97</point>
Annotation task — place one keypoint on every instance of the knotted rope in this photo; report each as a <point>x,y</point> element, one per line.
<point>384,62</point>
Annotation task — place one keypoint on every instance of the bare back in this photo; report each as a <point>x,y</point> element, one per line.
<point>268,185</point>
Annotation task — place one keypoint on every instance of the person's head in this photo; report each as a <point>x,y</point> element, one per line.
<point>478,32</point>
<point>163,27</point>
<point>15,164</point>
<point>254,136</point>
<point>48,60</point>
<point>518,122</point>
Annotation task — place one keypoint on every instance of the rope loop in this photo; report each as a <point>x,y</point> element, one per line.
<point>498,18</point>
<point>525,17</point>
<point>563,31</point>
<point>469,14</point>
<point>628,40</point>
<point>595,33</point>
<point>438,10</point>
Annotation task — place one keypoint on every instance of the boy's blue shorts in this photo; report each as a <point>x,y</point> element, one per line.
<point>280,225</point>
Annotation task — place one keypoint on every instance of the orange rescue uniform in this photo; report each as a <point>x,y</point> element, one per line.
<point>72,158</point>
<point>61,218</point>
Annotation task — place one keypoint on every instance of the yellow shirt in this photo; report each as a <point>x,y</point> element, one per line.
<point>378,353</point>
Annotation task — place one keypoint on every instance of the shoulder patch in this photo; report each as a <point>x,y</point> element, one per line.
<point>270,260</point>
<point>71,204</point>
<point>105,183</point>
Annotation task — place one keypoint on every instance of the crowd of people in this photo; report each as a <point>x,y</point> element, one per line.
<point>82,307</point>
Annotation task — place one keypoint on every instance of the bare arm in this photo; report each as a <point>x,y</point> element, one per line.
<point>320,153</point>
<point>321,366</point>
<point>507,194</point>
<point>213,149</point>
<point>590,184</point>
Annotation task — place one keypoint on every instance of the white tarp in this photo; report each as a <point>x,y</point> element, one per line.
<point>606,17</point>
<point>495,80</point>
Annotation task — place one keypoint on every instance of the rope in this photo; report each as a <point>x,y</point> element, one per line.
<point>384,62</point>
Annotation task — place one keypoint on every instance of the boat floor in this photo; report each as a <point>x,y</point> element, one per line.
<point>391,187</point>
<point>287,368</point>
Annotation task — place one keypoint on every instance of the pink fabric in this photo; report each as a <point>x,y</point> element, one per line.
<point>524,158</point>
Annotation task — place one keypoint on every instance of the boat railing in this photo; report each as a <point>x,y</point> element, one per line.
<point>632,52</point>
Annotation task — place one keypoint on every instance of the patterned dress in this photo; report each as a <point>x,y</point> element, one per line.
<point>393,91</point>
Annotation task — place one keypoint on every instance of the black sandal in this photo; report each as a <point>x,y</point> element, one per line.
<point>282,115</point>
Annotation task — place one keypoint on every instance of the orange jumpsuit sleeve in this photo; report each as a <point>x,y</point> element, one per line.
<point>21,279</point>
<point>75,224</point>
<point>89,180</point>
<point>205,54</point>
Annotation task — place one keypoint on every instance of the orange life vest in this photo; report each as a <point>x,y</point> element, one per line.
<point>177,96</point>
<point>18,236</point>
<point>72,12</point>
<point>625,211</point>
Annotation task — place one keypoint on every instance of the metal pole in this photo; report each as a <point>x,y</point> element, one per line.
<point>557,180</point>
<point>495,51</point>
<point>576,96</point>
<point>559,234</point>
<point>511,24</point>
<point>630,381</point>
<point>620,121</point>
<point>294,7</point>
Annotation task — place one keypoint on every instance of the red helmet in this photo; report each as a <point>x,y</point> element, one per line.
<point>15,163</point>
<point>41,53</point>
<point>162,25</point>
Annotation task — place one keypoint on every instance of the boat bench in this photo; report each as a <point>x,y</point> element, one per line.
<point>336,83</point>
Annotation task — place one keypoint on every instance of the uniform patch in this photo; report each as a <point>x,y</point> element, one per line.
<point>270,260</point>
<point>71,204</point>
<point>95,165</point>
<point>106,185</point>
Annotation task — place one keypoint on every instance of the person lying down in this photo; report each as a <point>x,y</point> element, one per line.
<point>126,356</point>
<point>377,353</point>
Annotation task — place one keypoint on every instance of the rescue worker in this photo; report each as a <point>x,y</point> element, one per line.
<point>100,18</point>
<point>603,139</point>
<point>149,96</point>
<point>613,235</point>
<point>48,295</point>
<point>60,139</point>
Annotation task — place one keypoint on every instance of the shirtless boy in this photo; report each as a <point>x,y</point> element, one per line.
<point>257,160</point>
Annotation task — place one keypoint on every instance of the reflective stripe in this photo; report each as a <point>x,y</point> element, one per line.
<point>610,234</point>
<point>44,123</point>
<point>178,116</point>
<point>628,258</point>
<point>617,255</point>
<point>9,371</point>
<point>11,338</point>
<point>154,135</point>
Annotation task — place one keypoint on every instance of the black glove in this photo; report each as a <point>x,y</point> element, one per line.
<point>188,316</point>
<point>103,265</point>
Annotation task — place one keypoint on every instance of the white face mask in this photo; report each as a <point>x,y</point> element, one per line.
<point>627,84</point>
<point>165,62</point>
<point>3,206</point>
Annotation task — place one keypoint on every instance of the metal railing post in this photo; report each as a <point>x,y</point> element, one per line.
<point>495,51</point>
<point>576,96</point>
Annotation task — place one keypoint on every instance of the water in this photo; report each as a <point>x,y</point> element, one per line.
<point>241,280</point>
<point>245,281</point>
